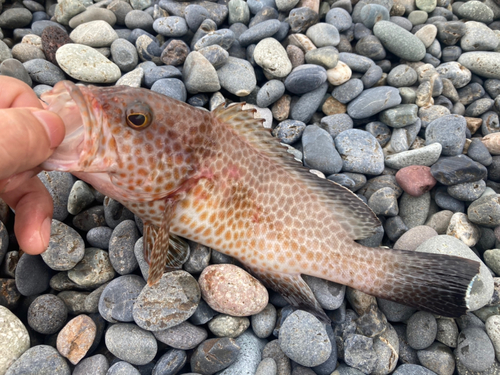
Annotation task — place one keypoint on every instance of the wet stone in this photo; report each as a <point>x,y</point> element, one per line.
<point>167,303</point>
<point>93,270</point>
<point>319,150</point>
<point>183,336</point>
<point>457,169</point>
<point>47,314</point>
<point>360,151</point>
<point>214,355</point>
<point>131,343</point>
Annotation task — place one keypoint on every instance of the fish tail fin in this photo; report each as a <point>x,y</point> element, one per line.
<point>436,283</point>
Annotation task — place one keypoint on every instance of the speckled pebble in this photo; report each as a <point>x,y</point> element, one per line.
<point>118,297</point>
<point>475,350</point>
<point>360,151</point>
<point>243,296</point>
<point>66,247</point>
<point>263,323</point>
<point>14,339</point>
<point>97,365</point>
<point>93,270</point>
<point>59,185</point>
<point>359,353</point>
<point>214,355</point>
<point>99,237</point>
<point>228,326</point>
<point>131,343</point>
<point>319,150</point>
<point>169,302</point>
<point>47,314</point>
<point>43,358</point>
<point>76,338</point>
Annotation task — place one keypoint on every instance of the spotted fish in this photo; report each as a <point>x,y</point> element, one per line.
<point>219,178</point>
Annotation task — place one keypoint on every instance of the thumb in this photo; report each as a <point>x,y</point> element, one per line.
<point>29,136</point>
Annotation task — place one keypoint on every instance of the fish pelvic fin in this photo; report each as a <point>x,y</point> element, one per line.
<point>162,249</point>
<point>436,283</point>
<point>293,289</point>
<point>355,217</point>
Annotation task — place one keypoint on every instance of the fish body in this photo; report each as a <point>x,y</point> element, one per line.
<point>220,178</point>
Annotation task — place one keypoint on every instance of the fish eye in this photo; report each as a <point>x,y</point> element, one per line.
<point>139,117</point>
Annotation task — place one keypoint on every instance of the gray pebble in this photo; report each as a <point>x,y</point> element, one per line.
<point>414,210</point>
<point>43,358</point>
<point>348,91</point>
<point>183,336</point>
<point>327,57</point>
<point>384,202</point>
<point>329,294</point>
<point>273,350</point>
<point>115,212</point>
<point>360,151</point>
<point>237,76</point>
<point>447,202</point>
<point>323,34</point>
<point>32,275</point>
<point>399,41</point>
<point>475,350</point>
<point>457,169</point>
<point>121,247</point>
<point>170,363</point>
<point>467,191</point>
<point>199,75</point>
<point>94,34</point>
<point>267,367</point>
<point>117,299</point>
<point>167,303</point>
<point>373,101</point>
<point>47,314</point>
<point>289,131</point>
<point>122,368</point>
<point>359,353</point>
<point>449,131</point>
<point>99,237</point>
<point>215,54</point>
<point>395,312</point>
<point>214,355</point>
<point>438,358</point>
<point>335,124</point>
<point>372,13</point>
<point>131,343</point>
<point>14,18</point>
<point>304,108</point>
<point>259,31</point>
<point>477,151</point>
<point>356,62</point>
<point>59,185</point>
<point>66,247</point>
<point>421,330</point>
<point>413,369</point>
<point>340,18</point>
<point>270,92</point>
<point>97,365</point>
<point>80,197</point>
<point>203,313</point>
<point>263,323</point>
<point>249,356</point>
<point>124,55</point>
<point>303,339</point>
<point>447,332</point>
<point>93,270</point>
<point>305,78</point>
<point>90,218</point>
<point>319,150</point>
<point>171,87</point>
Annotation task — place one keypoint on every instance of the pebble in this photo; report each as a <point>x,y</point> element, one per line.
<point>373,101</point>
<point>97,364</point>
<point>171,362</point>
<point>184,336</point>
<point>118,297</point>
<point>32,275</point>
<point>76,338</point>
<point>43,358</point>
<point>199,75</point>
<point>461,228</point>
<point>481,63</point>
<point>415,179</point>
<point>131,343</point>
<point>14,338</point>
<point>43,71</point>
<point>86,64</point>
<point>449,131</point>
<point>99,237</point>
<point>214,355</point>
<point>237,76</point>
<point>228,326</point>
<point>305,78</point>
<point>169,302</point>
<point>122,367</point>
<point>475,350</point>
<point>47,314</point>
<point>66,247</point>
<point>94,34</point>
<point>249,355</point>
<point>243,296</point>
<point>399,41</point>
<point>319,150</point>
<point>93,270</point>
<point>457,169</point>
<point>421,330</point>
<point>413,369</point>
<point>360,151</point>
<point>304,340</point>
<point>359,353</point>
<point>324,34</point>
<point>414,210</point>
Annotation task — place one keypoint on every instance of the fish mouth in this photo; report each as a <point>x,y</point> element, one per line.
<point>69,102</point>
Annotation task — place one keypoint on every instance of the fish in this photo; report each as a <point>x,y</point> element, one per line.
<point>221,179</point>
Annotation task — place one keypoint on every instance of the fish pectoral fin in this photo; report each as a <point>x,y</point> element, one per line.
<point>294,289</point>
<point>162,249</point>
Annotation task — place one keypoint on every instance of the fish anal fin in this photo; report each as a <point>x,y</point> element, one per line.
<point>355,217</point>
<point>162,249</point>
<point>294,289</point>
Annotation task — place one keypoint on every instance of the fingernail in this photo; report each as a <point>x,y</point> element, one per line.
<point>52,124</point>
<point>45,231</point>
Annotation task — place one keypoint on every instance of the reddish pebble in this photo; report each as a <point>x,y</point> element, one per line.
<point>76,338</point>
<point>231,290</point>
<point>415,179</point>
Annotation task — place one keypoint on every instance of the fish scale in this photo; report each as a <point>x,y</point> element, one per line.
<point>219,178</point>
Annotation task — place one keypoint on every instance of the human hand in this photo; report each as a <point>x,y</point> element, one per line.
<point>28,136</point>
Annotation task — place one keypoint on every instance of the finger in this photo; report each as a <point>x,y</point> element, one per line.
<point>33,206</point>
<point>28,137</point>
<point>19,94</point>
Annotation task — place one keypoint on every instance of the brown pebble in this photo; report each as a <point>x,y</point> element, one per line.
<point>415,179</point>
<point>473,123</point>
<point>76,338</point>
<point>295,55</point>
<point>281,108</point>
<point>53,37</point>
<point>175,53</point>
<point>492,143</point>
<point>332,106</point>
<point>231,290</point>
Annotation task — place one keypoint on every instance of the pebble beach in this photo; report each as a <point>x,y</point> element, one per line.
<point>397,100</point>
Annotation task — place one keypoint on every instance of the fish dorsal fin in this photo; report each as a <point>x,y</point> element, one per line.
<point>355,217</point>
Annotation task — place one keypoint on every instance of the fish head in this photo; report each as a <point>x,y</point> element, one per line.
<point>116,141</point>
